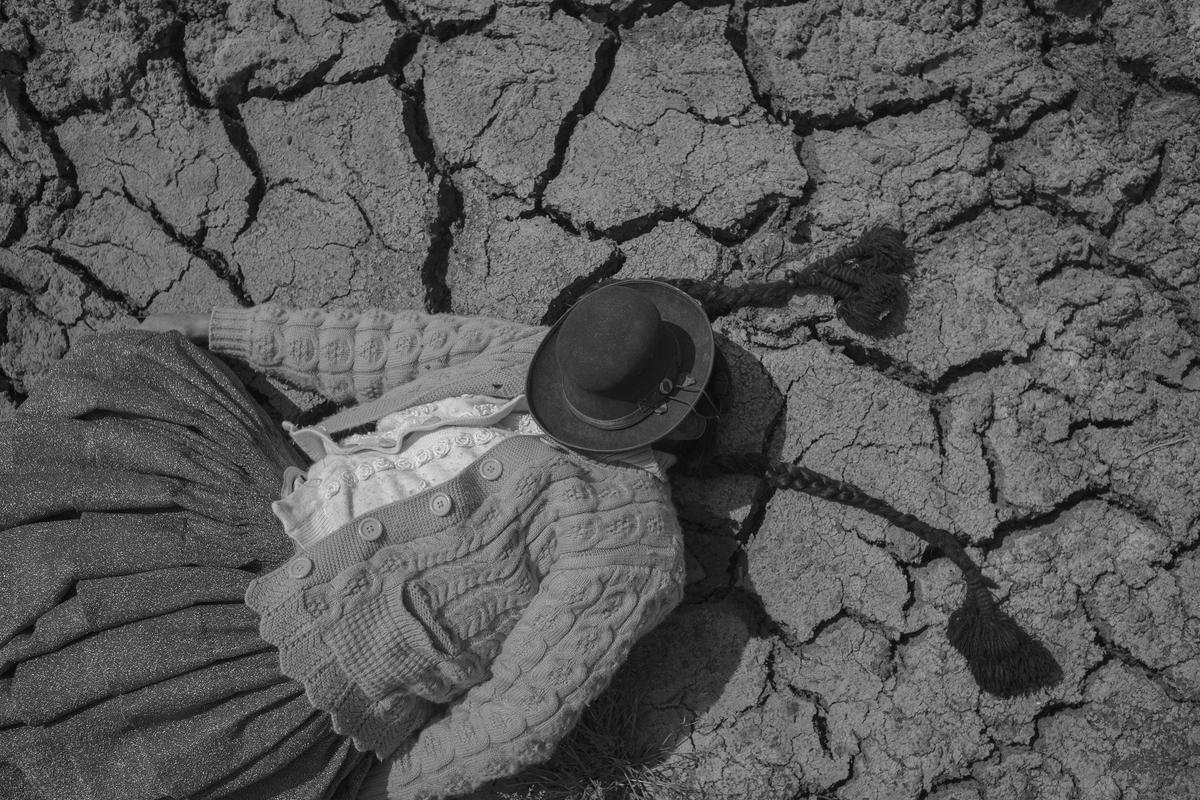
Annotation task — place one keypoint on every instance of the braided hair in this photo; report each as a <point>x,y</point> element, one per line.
<point>864,279</point>
<point>1004,659</point>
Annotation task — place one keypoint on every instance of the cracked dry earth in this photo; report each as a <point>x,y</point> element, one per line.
<point>1039,399</point>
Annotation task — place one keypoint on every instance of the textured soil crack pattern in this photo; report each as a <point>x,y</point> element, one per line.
<point>1038,396</point>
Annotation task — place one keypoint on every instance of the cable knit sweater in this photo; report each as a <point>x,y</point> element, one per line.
<point>458,632</point>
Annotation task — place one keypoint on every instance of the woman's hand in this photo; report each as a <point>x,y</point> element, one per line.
<point>193,326</point>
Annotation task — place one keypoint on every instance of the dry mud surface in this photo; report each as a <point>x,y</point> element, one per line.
<point>1040,398</point>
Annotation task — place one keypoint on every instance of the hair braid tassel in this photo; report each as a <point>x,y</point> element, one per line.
<point>871,267</point>
<point>1003,659</point>
<point>880,249</point>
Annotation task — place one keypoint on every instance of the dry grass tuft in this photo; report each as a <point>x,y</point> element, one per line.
<point>605,757</point>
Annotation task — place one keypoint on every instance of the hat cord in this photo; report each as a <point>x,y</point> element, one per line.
<point>1004,660</point>
<point>703,392</point>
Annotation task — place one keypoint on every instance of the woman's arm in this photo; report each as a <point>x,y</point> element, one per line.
<point>560,656</point>
<point>342,354</point>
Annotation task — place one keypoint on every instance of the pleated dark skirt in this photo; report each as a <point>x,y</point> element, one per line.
<point>135,491</point>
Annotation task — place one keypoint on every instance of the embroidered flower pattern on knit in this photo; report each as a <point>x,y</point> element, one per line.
<point>612,605</point>
<point>265,348</point>
<point>560,673</point>
<point>316,605</point>
<point>544,619</point>
<point>371,349</point>
<point>573,594</point>
<point>358,585</point>
<point>621,527</point>
<point>337,351</point>
<point>589,638</point>
<point>526,486</point>
<point>577,493</point>
<point>302,349</point>
<point>611,492</point>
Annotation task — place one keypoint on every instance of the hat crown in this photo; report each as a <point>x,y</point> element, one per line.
<point>609,340</point>
<point>621,369</point>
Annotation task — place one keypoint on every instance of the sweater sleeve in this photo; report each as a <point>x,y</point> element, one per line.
<point>347,355</point>
<point>561,655</point>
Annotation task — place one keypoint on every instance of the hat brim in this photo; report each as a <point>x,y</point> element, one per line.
<point>680,314</point>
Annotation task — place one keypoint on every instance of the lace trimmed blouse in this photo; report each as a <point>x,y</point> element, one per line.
<point>409,451</point>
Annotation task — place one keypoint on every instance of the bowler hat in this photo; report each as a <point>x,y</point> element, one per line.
<point>622,368</point>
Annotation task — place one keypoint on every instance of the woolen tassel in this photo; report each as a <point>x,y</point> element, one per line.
<point>1004,660</point>
<point>869,307</point>
<point>882,249</point>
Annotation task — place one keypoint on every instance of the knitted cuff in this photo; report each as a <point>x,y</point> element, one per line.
<point>230,331</point>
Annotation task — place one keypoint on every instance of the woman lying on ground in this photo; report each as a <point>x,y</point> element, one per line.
<point>467,555</point>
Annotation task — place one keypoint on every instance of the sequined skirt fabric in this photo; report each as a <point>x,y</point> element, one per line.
<point>135,492</point>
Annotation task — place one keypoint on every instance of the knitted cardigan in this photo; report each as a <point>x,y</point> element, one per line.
<point>461,631</point>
